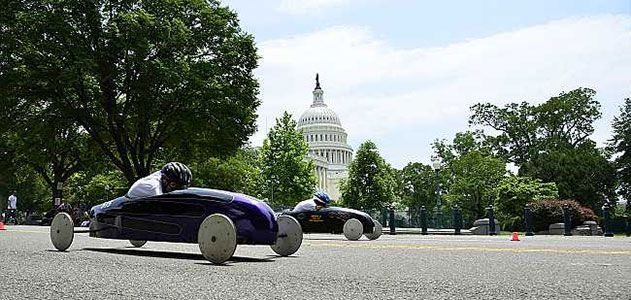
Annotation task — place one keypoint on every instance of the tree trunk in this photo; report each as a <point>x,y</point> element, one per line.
<point>57,193</point>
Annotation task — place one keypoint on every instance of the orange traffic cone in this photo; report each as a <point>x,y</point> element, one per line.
<point>515,237</point>
<point>2,226</point>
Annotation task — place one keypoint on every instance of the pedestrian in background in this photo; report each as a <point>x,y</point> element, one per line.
<point>12,208</point>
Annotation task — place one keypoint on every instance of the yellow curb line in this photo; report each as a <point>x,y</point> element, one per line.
<point>481,249</point>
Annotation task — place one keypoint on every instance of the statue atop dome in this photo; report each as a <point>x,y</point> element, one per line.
<point>318,100</point>
<point>317,81</point>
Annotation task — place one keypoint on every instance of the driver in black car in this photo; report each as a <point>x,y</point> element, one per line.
<point>173,176</point>
<point>319,200</point>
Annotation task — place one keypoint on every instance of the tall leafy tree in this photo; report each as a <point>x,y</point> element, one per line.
<point>470,172</point>
<point>583,174</point>
<point>88,188</point>
<point>14,175</point>
<point>137,76</point>
<point>621,145</point>
<point>53,146</point>
<point>551,142</point>
<point>564,121</point>
<point>287,175</point>
<point>370,183</point>
<point>517,127</point>
<point>240,172</point>
<point>43,139</point>
<point>567,120</point>
<point>418,185</point>
<point>463,143</point>
<point>475,175</point>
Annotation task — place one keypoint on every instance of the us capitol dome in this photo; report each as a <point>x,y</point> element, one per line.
<point>323,132</point>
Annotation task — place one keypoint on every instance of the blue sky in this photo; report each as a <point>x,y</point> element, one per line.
<point>415,23</point>
<point>403,73</point>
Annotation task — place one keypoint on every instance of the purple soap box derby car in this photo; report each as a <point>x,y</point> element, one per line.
<point>216,220</point>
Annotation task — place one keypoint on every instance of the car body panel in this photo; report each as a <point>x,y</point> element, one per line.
<point>330,219</point>
<point>176,216</point>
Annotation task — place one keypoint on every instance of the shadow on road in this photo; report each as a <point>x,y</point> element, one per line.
<point>175,255</point>
<point>335,240</point>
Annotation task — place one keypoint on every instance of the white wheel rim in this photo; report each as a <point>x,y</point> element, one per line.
<point>376,231</point>
<point>217,238</point>
<point>137,243</point>
<point>353,229</point>
<point>62,231</point>
<point>289,237</point>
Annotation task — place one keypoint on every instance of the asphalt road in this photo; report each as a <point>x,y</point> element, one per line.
<point>326,267</point>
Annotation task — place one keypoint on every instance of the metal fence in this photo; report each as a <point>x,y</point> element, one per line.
<point>411,218</point>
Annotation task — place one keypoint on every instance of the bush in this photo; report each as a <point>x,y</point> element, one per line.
<point>548,211</point>
<point>513,193</point>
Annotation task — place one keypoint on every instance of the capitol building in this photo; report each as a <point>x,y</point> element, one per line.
<point>323,132</point>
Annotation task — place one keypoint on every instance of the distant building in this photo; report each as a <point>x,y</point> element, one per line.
<point>323,132</point>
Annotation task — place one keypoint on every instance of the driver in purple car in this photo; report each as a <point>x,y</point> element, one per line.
<point>173,176</point>
<point>319,200</point>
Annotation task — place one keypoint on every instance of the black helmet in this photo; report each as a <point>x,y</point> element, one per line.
<point>177,172</point>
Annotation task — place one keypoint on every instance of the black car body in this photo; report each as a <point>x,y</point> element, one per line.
<point>330,219</point>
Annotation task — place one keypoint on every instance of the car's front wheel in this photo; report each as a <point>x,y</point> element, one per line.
<point>353,229</point>
<point>217,238</point>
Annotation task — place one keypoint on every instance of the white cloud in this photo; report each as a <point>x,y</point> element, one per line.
<point>405,98</point>
<point>301,7</point>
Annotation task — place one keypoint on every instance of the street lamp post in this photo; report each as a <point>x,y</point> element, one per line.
<point>436,167</point>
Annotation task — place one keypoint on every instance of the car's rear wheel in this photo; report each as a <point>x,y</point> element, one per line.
<point>353,229</point>
<point>62,231</point>
<point>217,238</point>
<point>137,243</point>
<point>376,231</point>
<point>289,237</point>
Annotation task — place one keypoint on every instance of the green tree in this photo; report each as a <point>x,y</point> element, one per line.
<point>370,183</point>
<point>239,173</point>
<point>88,188</point>
<point>565,121</point>
<point>32,192</point>
<point>583,174</point>
<point>418,186</point>
<point>517,127</point>
<point>475,175</point>
<point>53,146</point>
<point>39,138</point>
<point>470,171</point>
<point>137,76</point>
<point>621,144</point>
<point>287,175</point>
<point>514,192</point>
<point>551,142</point>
